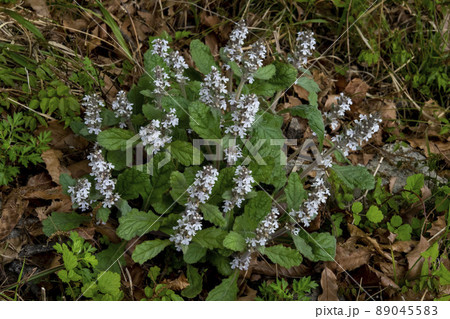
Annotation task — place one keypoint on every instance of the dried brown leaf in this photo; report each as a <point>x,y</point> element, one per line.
<point>350,258</point>
<point>415,260</point>
<point>40,7</point>
<point>13,209</point>
<point>52,159</point>
<point>264,268</point>
<point>357,90</point>
<point>329,285</point>
<point>177,284</point>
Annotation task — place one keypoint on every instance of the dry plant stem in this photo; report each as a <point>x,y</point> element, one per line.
<point>314,164</point>
<point>30,109</point>
<point>275,100</point>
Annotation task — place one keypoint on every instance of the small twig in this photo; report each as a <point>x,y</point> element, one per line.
<point>30,109</point>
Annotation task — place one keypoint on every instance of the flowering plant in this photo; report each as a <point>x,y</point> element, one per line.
<point>192,158</point>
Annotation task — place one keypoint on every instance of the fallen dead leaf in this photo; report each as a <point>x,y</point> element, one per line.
<point>178,284</point>
<point>357,90</point>
<point>52,159</point>
<point>436,147</point>
<point>349,257</point>
<point>404,246</point>
<point>40,7</point>
<point>263,268</point>
<point>415,260</point>
<point>355,231</point>
<point>13,209</point>
<point>385,280</point>
<point>249,294</point>
<point>329,285</point>
<point>63,138</point>
<point>437,225</point>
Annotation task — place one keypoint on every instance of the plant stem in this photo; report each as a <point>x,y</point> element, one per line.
<point>275,100</point>
<point>241,85</point>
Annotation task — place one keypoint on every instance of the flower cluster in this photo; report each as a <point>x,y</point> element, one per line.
<point>104,183</point>
<point>305,45</point>
<point>161,80</point>
<point>237,37</point>
<point>243,181</point>
<point>122,108</point>
<point>338,110</point>
<point>93,104</point>
<point>178,64</point>
<point>363,130</point>
<point>79,193</point>
<point>214,89</point>
<point>241,262</point>
<point>232,154</point>
<point>266,228</point>
<point>253,59</point>
<point>173,59</point>
<point>310,207</point>
<point>244,115</point>
<point>160,47</point>
<point>157,133</point>
<point>190,221</point>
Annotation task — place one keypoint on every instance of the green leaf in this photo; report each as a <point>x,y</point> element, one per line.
<point>66,180</point>
<point>355,177</point>
<point>212,214</point>
<point>284,77</point>
<point>195,283</point>
<point>357,207</point>
<point>69,259</point>
<point>222,264</point>
<point>109,283</point>
<point>396,221</point>
<point>210,238</point>
<point>283,256</point>
<point>25,23</point>
<point>109,20</point>
<point>103,214</point>
<point>193,253</point>
<point>111,258</point>
<point>179,186</point>
<point>137,223</point>
<point>314,117</point>
<point>149,249</point>
<point>404,232</point>
<point>323,246</point>
<point>226,291</point>
<point>311,86</point>
<point>118,159</point>
<point>254,212</point>
<point>132,183</point>
<point>203,122</point>
<point>202,56</point>
<point>62,222</point>
<point>295,193</point>
<point>265,73</point>
<point>268,126</point>
<point>303,247</point>
<point>374,214</point>
<point>414,183</point>
<point>185,153</point>
<point>235,242</point>
<point>114,139</point>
